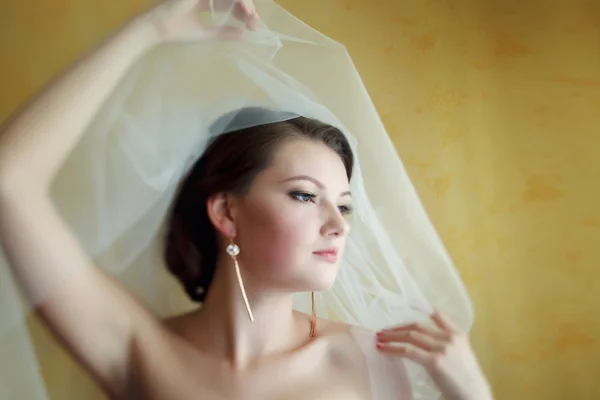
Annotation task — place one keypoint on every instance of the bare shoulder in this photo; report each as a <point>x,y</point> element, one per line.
<point>182,331</point>
<point>179,323</point>
<point>342,332</point>
<point>354,348</point>
<point>345,343</point>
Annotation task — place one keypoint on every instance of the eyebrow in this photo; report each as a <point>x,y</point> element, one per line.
<point>319,184</point>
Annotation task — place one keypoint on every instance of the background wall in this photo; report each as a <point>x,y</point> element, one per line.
<point>494,107</point>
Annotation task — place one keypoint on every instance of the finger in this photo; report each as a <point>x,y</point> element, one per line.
<point>416,354</point>
<point>398,327</point>
<point>227,6</point>
<point>415,327</point>
<point>420,340</point>
<point>224,33</point>
<point>245,6</point>
<point>252,22</point>
<point>246,13</point>
<point>444,323</point>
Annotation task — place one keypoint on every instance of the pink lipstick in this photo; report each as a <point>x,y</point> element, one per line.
<point>329,255</point>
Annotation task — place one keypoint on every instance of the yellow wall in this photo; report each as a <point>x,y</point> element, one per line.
<point>494,106</point>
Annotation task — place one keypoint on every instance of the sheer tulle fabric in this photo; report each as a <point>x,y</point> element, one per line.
<point>116,187</point>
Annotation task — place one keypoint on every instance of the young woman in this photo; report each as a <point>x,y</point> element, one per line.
<point>262,214</point>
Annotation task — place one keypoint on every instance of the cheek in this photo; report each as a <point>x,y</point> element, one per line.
<point>278,236</point>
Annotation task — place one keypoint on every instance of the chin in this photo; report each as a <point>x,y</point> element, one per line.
<point>308,277</point>
<point>323,286</point>
<point>320,281</point>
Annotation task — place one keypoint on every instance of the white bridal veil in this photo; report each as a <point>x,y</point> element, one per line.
<point>116,187</point>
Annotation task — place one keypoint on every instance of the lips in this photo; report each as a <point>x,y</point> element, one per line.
<point>330,255</point>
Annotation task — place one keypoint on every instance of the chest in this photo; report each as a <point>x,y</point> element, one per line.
<point>178,374</point>
<point>184,389</point>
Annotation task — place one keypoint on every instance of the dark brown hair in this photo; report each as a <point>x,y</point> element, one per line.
<point>230,164</point>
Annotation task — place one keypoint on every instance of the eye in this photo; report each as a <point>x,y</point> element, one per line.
<point>304,197</point>
<point>345,210</point>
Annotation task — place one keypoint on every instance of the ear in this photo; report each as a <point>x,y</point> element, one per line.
<point>219,210</point>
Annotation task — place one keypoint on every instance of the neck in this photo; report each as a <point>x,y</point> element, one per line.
<point>228,330</point>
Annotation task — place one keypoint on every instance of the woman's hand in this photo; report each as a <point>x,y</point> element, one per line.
<point>179,20</point>
<point>445,353</point>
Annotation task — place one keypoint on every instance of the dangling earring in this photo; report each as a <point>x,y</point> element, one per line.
<point>233,250</point>
<point>313,322</point>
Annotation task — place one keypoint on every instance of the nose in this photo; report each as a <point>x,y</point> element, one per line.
<point>335,224</point>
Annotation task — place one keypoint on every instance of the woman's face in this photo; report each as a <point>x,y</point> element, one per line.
<point>292,225</point>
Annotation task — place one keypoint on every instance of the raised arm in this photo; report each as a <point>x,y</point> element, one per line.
<point>91,314</point>
<point>85,309</point>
